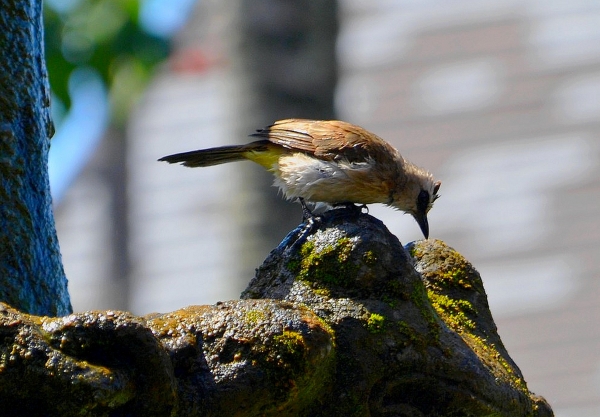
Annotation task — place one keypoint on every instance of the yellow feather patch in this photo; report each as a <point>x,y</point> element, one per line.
<point>267,159</point>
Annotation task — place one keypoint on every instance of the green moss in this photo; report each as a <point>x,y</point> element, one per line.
<point>294,375</point>
<point>456,277</point>
<point>453,274</point>
<point>418,297</point>
<point>418,294</point>
<point>324,292</point>
<point>327,328</point>
<point>452,270</point>
<point>414,252</point>
<point>329,265</point>
<point>492,357</point>
<point>370,258</point>
<point>293,265</point>
<point>376,323</point>
<point>254,316</point>
<point>290,344</point>
<point>453,311</point>
<point>283,361</point>
<point>307,248</point>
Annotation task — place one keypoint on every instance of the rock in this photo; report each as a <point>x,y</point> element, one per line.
<point>87,364</point>
<point>247,357</point>
<point>409,341</point>
<point>340,320</point>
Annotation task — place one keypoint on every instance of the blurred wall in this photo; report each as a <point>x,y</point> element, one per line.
<point>499,99</point>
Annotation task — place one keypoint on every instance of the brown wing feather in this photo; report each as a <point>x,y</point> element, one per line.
<point>326,139</point>
<point>290,133</point>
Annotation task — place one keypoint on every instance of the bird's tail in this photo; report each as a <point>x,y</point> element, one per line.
<point>216,156</point>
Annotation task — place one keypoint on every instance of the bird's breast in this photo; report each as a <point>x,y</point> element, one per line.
<point>318,180</point>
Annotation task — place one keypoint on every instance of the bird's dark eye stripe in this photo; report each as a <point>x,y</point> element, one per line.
<point>423,201</point>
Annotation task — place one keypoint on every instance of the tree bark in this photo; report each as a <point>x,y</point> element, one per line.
<point>31,272</point>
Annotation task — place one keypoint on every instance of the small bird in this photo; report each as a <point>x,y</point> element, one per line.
<point>332,162</point>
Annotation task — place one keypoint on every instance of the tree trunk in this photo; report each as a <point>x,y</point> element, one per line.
<point>31,272</point>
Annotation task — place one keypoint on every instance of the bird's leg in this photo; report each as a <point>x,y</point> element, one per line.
<point>307,214</point>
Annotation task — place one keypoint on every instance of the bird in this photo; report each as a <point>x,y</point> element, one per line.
<point>332,162</point>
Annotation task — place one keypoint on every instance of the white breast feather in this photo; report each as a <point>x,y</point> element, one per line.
<point>300,173</point>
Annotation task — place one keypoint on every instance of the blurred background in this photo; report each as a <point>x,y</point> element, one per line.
<point>499,99</point>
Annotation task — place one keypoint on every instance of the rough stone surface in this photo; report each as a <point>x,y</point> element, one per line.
<point>340,320</point>
<point>408,343</point>
<point>88,364</point>
<point>247,358</point>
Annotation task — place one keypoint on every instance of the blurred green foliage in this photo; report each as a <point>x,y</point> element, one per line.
<point>104,35</point>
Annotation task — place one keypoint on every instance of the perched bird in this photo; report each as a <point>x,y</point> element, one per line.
<point>332,162</point>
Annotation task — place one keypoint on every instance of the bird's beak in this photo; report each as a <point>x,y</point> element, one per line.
<point>421,219</point>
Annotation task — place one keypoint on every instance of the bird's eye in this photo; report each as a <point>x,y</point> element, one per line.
<point>423,201</point>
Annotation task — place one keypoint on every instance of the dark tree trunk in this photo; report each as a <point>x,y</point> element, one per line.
<point>31,272</point>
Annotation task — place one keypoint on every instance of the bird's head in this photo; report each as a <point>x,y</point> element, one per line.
<point>417,195</point>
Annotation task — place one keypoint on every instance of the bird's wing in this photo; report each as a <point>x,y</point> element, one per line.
<point>326,139</point>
